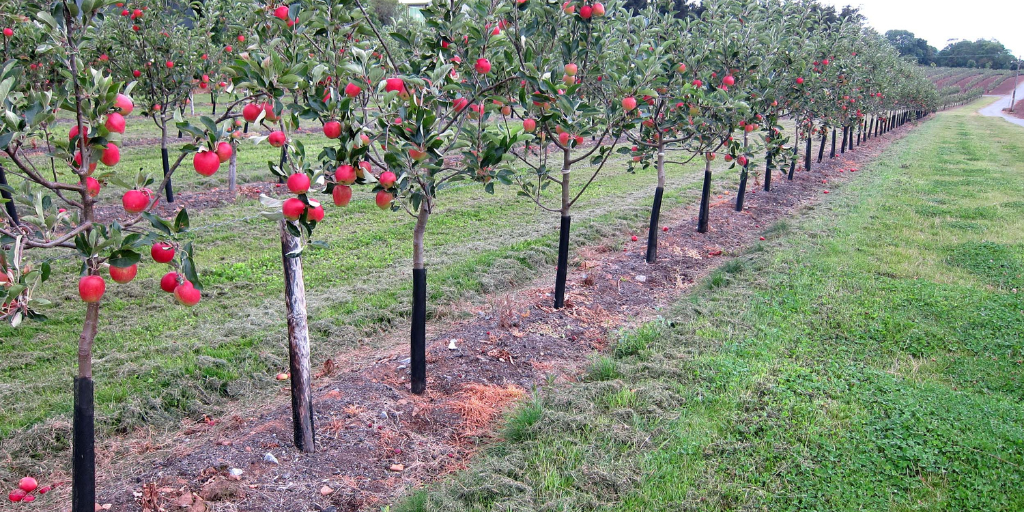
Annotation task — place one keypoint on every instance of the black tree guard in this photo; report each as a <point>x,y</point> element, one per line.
<point>768,173</point>
<point>418,340</point>
<point>742,193</point>
<point>807,157</point>
<point>9,205</point>
<point>705,201</point>
<point>792,163</point>
<point>83,449</point>
<point>821,147</point>
<point>833,153</point>
<point>652,235</point>
<point>167,170</point>
<point>563,261</point>
<point>842,147</point>
<point>213,101</point>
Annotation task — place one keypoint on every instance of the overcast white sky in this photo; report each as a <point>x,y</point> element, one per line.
<point>940,20</point>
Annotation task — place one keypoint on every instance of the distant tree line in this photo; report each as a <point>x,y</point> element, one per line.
<point>983,53</point>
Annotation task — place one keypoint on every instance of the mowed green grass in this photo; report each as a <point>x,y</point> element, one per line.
<point>867,356</point>
<point>157,362</point>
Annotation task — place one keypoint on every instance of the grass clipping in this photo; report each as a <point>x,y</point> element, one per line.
<point>480,404</point>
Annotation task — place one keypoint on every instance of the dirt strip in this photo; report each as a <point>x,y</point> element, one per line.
<point>375,440</point>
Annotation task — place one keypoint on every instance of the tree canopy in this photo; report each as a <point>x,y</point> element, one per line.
<point>983,53</point>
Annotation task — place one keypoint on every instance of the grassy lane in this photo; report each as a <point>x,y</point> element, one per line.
<point>867,357</point>
<point>157,362</point>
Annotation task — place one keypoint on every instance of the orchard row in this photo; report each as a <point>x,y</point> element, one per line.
<point>498,93</point>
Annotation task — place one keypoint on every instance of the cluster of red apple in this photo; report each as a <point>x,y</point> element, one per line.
<point>172,282</point>
<point>26,487</point>
<point>587,10</point>
<point>207,162</point>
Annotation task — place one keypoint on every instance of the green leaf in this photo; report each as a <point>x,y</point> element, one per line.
<point>181,221</point>
<point>158,223</point>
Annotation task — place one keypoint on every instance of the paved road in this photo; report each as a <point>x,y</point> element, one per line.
<point>996,109</point>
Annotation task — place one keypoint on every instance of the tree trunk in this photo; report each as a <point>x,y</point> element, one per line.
<point>652,234</point>
<point>298,343</point>
<point>233,173</point>
<point>83,451</point>
<point>213,101</point>
<point>418,336</point>
<point>9,205</point>
<point>705,200</point>
<point>165,160</point>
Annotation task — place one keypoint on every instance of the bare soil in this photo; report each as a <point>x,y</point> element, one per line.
<point>376,440</point>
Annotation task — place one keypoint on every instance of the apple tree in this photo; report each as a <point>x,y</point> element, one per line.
<point>58,188</point>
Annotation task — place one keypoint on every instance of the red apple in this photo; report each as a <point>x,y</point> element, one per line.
<point>123,275</point>
<point>586,12</point>
<point>74,132</point>
<point>251,112</point>
<point>799,81</point>
<point>277,139</point>
<point>342,195</point>
<point>162,252</point>
<point>281,13</point>
<point>563,138</point>
<point>352,90</point>
<point>598,9</point>
<point>224,151</point>
<point>634,238</point>
<point>169,282</point>
<point>91,288</point>
<point>293,208</point>
<point>134,201</point>
<point>387,179</point>
<point>27,484</point>
<point>629,103</point>
<point>187,294</point>
<point>482,66</point>
<point>16,495</point>
<point>384,199</point>
<point>206,163</point>
<point>529,125</point>
<point>111,156</point>
<point>681,68</point>
<point>92,187</point>
<point>298,183</point>
<point>698,84</point>
<point>345,174</point>
<point>332,129</point>
<point>124,103</point>
<point>571,69</point>
<point>417,154</point>
<point>316,214</point>
<point>394,85</point>
<point>115,122</point>
<point>460,104</point>
<point>729,80</point>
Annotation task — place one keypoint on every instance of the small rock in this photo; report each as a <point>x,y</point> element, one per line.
<point>235,474</point>
<point>452,346</point>
<point>406,360</point>
<point>641,279</point>
<point>397,467</point>
<point>269,457</point>
<point>325,491</point>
